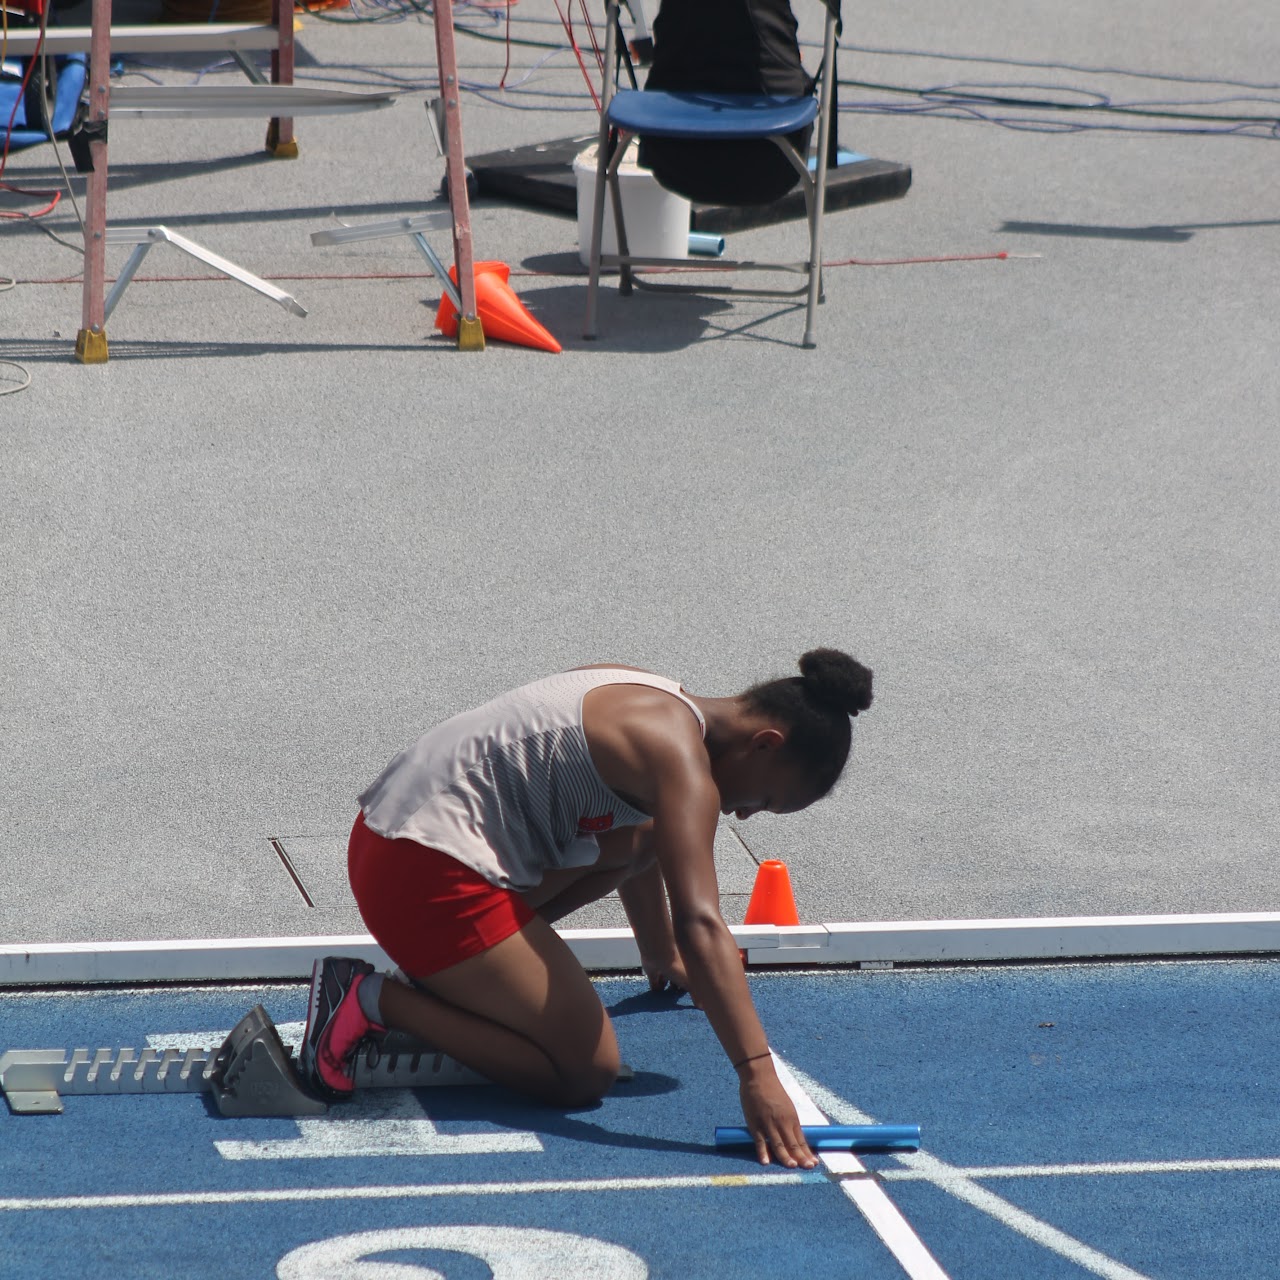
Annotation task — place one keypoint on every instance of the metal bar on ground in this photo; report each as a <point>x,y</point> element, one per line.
<point>144,236</point>
<point>411,226</point>
<point>436,221</point>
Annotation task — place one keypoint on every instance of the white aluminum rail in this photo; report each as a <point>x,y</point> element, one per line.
<point>143,238</point>
<point>244,100</point>
<point>165,38</point>
<point>871,945</point>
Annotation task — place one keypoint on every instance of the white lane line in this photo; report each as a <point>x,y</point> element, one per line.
<point>377,1122</point>
<point>1109,1169</point>
<point>279,1195</point>
<point>952,1180</point>
<point>290,1032</point>
<point>870,1197</point>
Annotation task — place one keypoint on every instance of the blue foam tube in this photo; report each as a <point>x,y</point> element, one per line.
<point>703,242</point>
<point>837,1137</point>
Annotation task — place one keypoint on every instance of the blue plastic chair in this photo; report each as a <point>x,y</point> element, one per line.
<point>29,124</point>
<point>710,117</point>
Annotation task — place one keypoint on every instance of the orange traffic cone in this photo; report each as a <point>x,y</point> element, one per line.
<point>501,313</point>
<point>772,901</point>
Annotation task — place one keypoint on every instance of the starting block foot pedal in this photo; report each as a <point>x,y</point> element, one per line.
<point>255,1075</point>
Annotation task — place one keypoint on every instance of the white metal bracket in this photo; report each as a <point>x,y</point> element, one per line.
<point>414,227</point>
<point>227,100</point>
<point>142,238</point>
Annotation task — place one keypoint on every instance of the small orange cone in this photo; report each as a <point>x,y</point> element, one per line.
<point>772,901</point>
<point>501,313</point>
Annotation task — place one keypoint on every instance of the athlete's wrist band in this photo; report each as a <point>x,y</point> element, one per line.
<point>768,1053</point>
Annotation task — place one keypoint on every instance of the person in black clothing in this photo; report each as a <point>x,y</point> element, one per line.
<point>726,46</point>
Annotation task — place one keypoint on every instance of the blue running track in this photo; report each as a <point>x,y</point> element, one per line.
<point>1113,1120</point>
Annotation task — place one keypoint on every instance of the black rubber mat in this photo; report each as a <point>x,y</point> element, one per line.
<point>542,175</point>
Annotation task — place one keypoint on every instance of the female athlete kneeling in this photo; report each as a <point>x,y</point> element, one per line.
<point>504,819</point>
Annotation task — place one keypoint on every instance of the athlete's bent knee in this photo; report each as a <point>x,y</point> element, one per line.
<point>587,1084</point>
<point>588,1088</point>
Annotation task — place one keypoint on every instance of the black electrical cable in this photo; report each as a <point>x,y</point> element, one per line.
<point>1172,77</point>
<point>965,96</point>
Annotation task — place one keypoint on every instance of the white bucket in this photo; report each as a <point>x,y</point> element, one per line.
<point>657,220</point>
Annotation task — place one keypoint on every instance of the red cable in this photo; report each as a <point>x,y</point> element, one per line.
<point>911,262</point>
<point>577,53</point>
<point>591,31</point>
<point>22,191</point>
<point>506,66</point>
<point>427,275</point>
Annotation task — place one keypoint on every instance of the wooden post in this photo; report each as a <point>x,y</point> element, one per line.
<point>470,331</point>
<point>91,341</point>
<point>280,140</point>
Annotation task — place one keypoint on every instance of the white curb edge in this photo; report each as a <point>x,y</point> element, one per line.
<point>872,945</point>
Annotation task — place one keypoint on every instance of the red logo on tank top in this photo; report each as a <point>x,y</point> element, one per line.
<point>594,826</point>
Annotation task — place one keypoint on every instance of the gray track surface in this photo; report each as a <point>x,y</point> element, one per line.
<point>251,557</point>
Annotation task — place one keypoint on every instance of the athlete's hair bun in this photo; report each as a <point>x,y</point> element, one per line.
<point>837,679</point>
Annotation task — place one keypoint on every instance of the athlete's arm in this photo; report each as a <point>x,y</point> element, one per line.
<point>685,815</point>
<point>644,898</point>
<point>647,746</point>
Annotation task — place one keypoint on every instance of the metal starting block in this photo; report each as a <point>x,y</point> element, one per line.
<point>401,1062</point>
<point>34,1080</point>
<point>252,1074</point>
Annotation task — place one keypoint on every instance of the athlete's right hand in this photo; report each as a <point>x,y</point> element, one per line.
<point>670,974</point>
<point>771,1117</point>
<point>667,970</point>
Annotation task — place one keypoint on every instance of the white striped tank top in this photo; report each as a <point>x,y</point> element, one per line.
<point>510,789</point>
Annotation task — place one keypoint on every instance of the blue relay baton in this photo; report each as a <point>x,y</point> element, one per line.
<point>837,1137</point>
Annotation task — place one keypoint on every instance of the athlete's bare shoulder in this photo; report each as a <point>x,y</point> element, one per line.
<point>636,732</point>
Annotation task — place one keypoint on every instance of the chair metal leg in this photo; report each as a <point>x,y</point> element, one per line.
<point>597,233</point>
<point>602,163</point>
<point>619,220</point>
<point>820,183</point>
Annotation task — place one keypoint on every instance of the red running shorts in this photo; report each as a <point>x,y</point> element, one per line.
<point>425,909</point>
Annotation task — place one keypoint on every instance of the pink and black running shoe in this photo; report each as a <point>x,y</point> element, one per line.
<point>337,1027</point>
